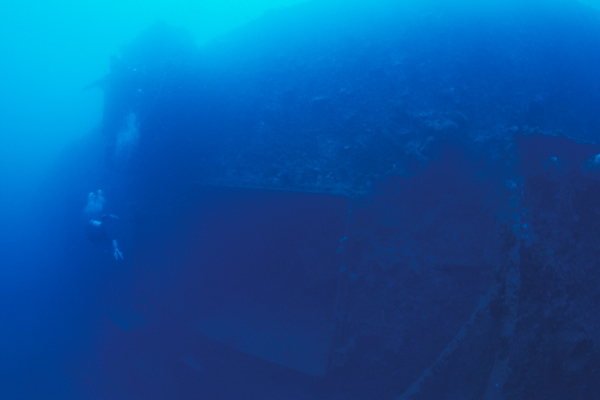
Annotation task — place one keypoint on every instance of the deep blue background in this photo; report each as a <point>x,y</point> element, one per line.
<point>76,324</point>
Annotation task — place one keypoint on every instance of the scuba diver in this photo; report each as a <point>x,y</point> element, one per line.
<point>106,227</point>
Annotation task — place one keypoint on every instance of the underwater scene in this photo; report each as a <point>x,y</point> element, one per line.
<point>300,200</point>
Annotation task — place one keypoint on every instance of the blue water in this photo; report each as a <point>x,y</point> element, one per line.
<point>312,200</point>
